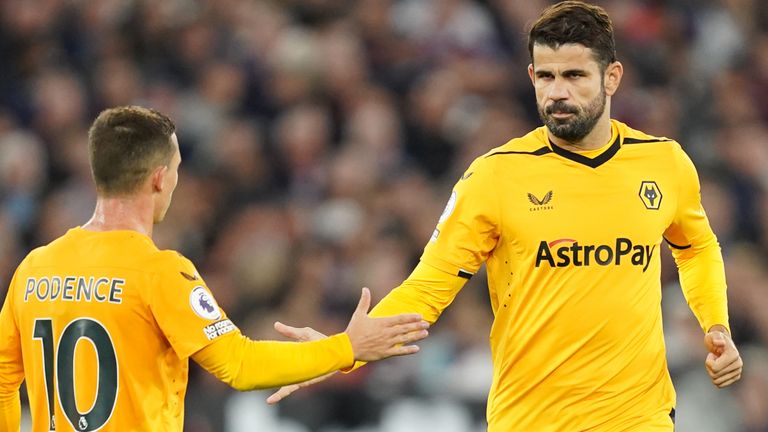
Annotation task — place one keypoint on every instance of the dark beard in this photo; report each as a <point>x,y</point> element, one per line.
<point>573,129</point>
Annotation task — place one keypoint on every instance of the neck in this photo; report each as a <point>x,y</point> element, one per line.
<point>596,138</point>
<point>131,212</point>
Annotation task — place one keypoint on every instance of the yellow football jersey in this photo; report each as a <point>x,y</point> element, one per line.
<point>571,242</point>
<point>106,323</point>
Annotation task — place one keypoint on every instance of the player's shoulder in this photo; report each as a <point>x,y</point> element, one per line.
<point>639,139</point>
<point>168,260</point>
<point>43,255</point>
<point>33,257</point>
<point>534,143</point>
<point>516,150</point>
<point>656,147</point>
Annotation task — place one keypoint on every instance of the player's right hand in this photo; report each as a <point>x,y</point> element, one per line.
<point>377,338</point>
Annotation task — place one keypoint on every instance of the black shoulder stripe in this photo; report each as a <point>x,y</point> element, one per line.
<point>676,246</point>
<point>465,274</point>
<point>538,152</point>
<point>645,141</point>
<point>189,276</point>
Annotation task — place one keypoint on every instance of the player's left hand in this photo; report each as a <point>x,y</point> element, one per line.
<point>723,361</point>
<point>302,334</point>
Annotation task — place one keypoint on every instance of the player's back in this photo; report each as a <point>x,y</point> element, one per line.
<point>95,356</point>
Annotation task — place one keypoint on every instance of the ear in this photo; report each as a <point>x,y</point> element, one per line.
<point>531,75</point>
<point>613,74</point>
<point>157,178</point>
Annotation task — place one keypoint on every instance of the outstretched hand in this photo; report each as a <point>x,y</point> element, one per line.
<point>723,361</point>
<point>371,339</point>
<point>378,338</point>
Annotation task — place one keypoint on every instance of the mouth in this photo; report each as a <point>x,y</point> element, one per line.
<point>561,115</point>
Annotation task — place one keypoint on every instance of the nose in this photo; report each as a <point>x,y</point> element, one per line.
<point>558,90</point>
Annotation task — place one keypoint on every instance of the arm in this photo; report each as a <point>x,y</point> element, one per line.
<point>427,291</point>
<point>245,364</point>
<point>466,234</point>
<point>195,326</point>
<point>697,252</point>
<point>11,368</point>
<point>702,276</point>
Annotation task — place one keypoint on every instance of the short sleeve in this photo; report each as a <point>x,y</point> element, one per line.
<point>185,308</point>
<point>468,229</point>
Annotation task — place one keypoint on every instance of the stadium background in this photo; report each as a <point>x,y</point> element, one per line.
<point>321,139</point>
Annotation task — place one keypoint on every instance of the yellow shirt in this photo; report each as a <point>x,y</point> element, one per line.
<point>101,325</point>
<point>571,244</point>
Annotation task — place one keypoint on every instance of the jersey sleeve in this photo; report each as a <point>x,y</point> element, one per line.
<point>427,291</point>
<point>11,365</point>
<point>184,307</point>
<point>697,251</point>
<point>468,229</point>
<point>246,364</point>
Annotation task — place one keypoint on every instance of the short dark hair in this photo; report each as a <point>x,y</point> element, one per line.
<point>574,21</point>
<point>125,144</point>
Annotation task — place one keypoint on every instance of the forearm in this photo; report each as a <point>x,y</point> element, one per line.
<point>10,410</point>
<point>245,364</point>
<point>427,291</point>
<point>702,277</point>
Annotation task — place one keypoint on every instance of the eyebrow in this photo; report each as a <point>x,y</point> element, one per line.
<point>549,71</point>
<point>576,70</point>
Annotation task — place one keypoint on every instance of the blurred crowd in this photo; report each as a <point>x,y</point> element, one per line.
<point>320,140</point>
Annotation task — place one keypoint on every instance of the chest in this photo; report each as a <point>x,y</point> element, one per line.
<point>551,200</point>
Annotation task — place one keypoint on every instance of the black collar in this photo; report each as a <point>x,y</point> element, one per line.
<point>590,162</point>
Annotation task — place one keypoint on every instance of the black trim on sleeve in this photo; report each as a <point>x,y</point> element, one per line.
<point>676,246</point>
<point>537,152</point>
<point>645,141</point>
<point>465,274</point>
<point>592,163</point>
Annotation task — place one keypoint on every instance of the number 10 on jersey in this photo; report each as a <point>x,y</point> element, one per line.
<point>63,375</point>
